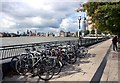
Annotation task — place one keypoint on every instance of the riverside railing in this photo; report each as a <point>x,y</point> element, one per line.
<point>15,50</point>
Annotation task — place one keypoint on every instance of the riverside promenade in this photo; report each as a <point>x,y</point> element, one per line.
<point>112,69</point>
<point>100,64</point>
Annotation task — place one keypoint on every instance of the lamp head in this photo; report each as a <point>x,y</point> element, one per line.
<point>84,18</point>
<point>79,18</point>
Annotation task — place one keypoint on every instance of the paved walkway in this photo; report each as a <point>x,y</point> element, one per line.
<point>84,69</point>
<point>111,72</point>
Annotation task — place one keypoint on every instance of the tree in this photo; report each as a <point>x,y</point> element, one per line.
<point>105,15</point>
<point>93,31</point>
<point>99,32</point>
<point>86,32</point>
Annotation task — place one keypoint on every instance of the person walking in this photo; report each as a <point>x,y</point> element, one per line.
<point>114,43</point>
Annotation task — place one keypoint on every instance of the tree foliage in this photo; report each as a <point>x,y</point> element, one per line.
<point>86,32</point>
<point>105,15</point>
<point>93,31</point>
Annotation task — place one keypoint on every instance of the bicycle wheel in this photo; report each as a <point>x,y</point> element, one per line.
<point>45,71</point>
<point>21,67</point>
<point>72,58</point>
<point>13,62</point>
<point>84,51</point>
<point>58,67</point>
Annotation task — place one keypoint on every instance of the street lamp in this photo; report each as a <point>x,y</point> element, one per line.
<point>79,19</point>
<point>84,26</point>
<point>79,40</point>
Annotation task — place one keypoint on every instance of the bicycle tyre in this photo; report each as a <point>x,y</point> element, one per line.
<point>58,67</point>
<point>72,58</point>
<point>84,51</point>
<point>45,71</point>
<point>13,62</point>
<point>20,67</point>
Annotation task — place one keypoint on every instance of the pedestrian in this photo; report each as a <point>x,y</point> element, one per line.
<point>114,43</point>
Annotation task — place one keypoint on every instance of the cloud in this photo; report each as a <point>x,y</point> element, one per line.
<point>68,24</point>
<point>42,15</point>
<point>7,23</point>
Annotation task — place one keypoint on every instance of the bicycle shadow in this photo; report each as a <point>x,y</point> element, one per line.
<point>85,59</point>
<point>75,68</point>
<point>22,79</point>
<point>87,56</point>
<point>67,70</point>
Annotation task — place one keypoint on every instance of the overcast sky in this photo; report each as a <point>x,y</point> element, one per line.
<point>39,15</point>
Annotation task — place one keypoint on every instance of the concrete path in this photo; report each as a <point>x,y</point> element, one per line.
<point>111,72</point>
<point>83,70</point>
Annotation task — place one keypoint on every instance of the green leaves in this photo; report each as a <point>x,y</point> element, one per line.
<point>106,15</point>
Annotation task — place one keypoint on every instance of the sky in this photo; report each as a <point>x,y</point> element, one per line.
<point>39,15</point>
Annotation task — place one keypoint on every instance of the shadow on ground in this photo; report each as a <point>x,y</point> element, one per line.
<point>66,70</point>
<point>75,68</point>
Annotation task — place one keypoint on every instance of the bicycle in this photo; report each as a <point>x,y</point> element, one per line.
<point>35,62</point>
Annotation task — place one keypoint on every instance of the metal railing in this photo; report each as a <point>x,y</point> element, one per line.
<point>15,50</point>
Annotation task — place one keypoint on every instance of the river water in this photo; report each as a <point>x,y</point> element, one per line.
<point>6,41</point>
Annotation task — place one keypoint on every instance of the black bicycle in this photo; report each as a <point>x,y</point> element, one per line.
<point>35,63</point>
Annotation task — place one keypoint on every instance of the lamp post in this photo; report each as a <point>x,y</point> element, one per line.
<point>84,26</point>
<point>79,19</point>
<point>79,40</point>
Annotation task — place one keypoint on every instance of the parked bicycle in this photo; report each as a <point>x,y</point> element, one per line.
<point>35,63</point>
<point>48,59</point>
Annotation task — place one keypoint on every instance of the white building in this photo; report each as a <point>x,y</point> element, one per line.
<point>83,25</point>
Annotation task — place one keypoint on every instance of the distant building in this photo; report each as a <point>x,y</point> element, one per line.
<point>4,34</point>
<point>41,34</point>
<point>23,34</point>
<point>33,34</point>
<point>13,35</point>
<point>18,33</point>
<point>1,34</point>
<point>91,25</point>
<point>83,24</point>
<point>28,33</point>
<point>76,34</point>
<point>62,33</point>
<point>50,34</point>
<point>67,34</point>
<point>73,34</point>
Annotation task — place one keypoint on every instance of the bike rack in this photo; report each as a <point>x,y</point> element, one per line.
<point>14,50</point>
